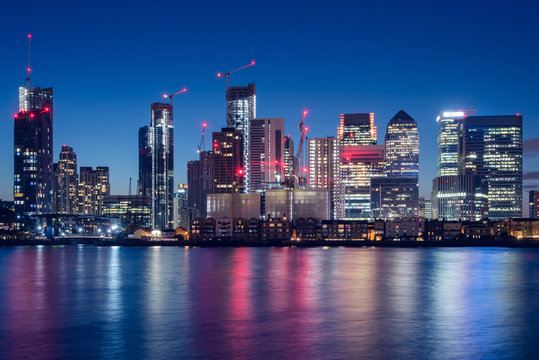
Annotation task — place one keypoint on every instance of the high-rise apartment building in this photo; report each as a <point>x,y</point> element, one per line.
<point>200,183</point>
<point>93,186</point>
<point>66,182</point>
<point>402,146</point>
<point>266,155</point>
<point>491,147</point>
<point>156,164</point>
<point>227,160</point>
<point>357,129</point>
<point>240,110</point>
<point>33,185</point>
<point>324,159</point>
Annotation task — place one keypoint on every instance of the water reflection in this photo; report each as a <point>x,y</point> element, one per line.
<point>287,303</point>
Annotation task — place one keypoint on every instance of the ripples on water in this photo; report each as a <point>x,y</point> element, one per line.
<point>268,303</point>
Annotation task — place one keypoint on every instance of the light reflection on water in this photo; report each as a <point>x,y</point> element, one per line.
<point>286,303</point>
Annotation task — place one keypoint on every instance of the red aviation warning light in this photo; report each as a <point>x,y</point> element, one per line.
<point>204,125</point>
<point>240,172</point>
<point>16,116</point>
<point>32,115</point>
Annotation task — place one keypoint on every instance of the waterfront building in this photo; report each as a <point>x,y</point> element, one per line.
<point>128,209</point>
<point>240,110</point>
<point>66,182</point>
<point>182,214</point>
<point>297,203</point>
<point>459,198</point>
<point>394,198</point>
<point>33,184</point>
<point>448,140</point>
<point>358,165</point>
<point>266,155</point>
<point>200,183</point>
<point>357,129</point>
<point>323,163</point>
<point>228,172</point>
<point>491,148</point>
<point>93,186</point>
<point>234,206</point>
<point>156,164</point>
<point>534,204</point>
<point>428,209</point>
<point>402,147</point>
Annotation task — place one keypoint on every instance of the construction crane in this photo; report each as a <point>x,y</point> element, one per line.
<point>202,145</point>
<point>227,74</point>
<point>170,96</point>
<point>299,154</point>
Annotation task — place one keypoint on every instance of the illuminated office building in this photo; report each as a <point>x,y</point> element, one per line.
<point>289,160</point>
<point>402,146</point>
<point>459,197</point>
<point>491,148</point>
<point>358,165</point>
<point>129,209</point>
<point>394,198</point>
<point>227,171</point>
<point>33,184</point>
<point>93,186</point>
<point>324,157</point>
<point>156,164</point>
<point>66,182</point>
<point>266,155</point>
<point>357,129</point>
<point>448,140</point>
<point>182,213</point>
<point>240,110</point>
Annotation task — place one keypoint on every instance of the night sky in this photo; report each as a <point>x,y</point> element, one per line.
<point>108,61</point>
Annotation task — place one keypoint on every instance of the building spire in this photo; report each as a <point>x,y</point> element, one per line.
<point>28,69</point>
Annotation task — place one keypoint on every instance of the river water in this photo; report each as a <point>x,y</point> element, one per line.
<point>89,302</point>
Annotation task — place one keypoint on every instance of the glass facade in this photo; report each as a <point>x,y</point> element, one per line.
<point>266,153</point>
<point>240,109</point>
<point>492,149</point>
<point>402,146</point>
<point>33,182</point>
<point>459,197</point>
<point>357,129</point>
<point>323,155</point>
<point>394,198</point>
<point>448,140</point>
<point>66,182</point>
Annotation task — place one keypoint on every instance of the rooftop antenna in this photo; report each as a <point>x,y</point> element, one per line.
<point>28,69</point>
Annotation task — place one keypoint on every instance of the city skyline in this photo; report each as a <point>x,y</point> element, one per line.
<point>128,109</point>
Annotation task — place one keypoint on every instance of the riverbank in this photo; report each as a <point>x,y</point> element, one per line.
<point>522,243</point>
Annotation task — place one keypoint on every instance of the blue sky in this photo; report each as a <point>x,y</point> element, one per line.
<point>108,61</point>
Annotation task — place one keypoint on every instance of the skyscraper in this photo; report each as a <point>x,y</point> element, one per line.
<point>323,155</point>
<point>402,146</point>
<point>357,129</point>
<point>459,197</point>
<point>33,156</point>
<point>448,140</point>
<point>156,164</point>
<point>358,165</point>
<point>394,198</point>
<point>491,148</point>
<point>200,183</point>
<point>289,160</point>
<point>66,182</point>
<point>240,109</point>
<point>266,155</point>
<point>227,171</point>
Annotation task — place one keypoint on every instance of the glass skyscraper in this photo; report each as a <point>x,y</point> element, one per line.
<point>33,184</point>
<point>240,109</point>
<point>266,155</point>
<point>156,164</point>
<point>66,182</point>
<point>448,140</point>
<point>491,148</point>
<point>402,146</point>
